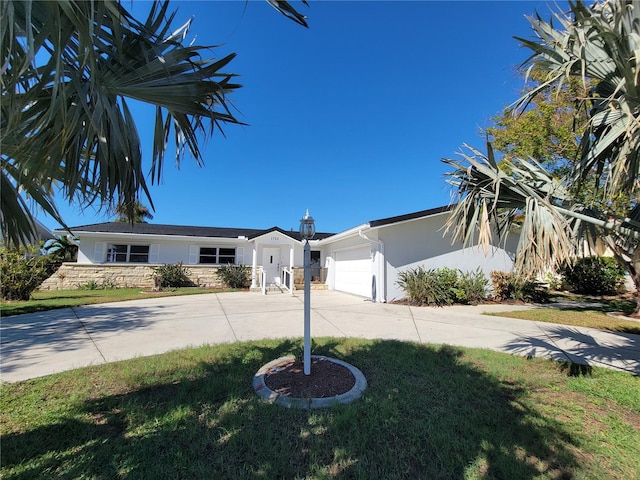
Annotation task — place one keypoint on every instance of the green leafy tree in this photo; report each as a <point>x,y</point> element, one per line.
<point>548,129</point>
<point>69,70</point>
<point>597,45</point>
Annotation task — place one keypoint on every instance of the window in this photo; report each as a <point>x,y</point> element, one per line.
<point>217,255</point>
<point>139,253</point>
<point>226,255</point>
<point>128,253</point>
<point>208,255</point>
<point>117,253</point>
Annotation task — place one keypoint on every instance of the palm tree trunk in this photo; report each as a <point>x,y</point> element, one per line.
<point>629,259</point>
<point>635,265</point>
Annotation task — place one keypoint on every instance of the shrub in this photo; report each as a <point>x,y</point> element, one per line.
<point>93,285</point>
<point>21,272</point>
<point>442,286</point>
<point>173,275</point>
<point>502,285</point>
<point>593,275</point>
<point>554,281</point>
<point>510,286</point>
<point>234,276</point>
<point>472,287</point>
<point>411,282</point>
<point>448,277</point>
<point>424,286</point>
<point>90,285</point>
<point>109,285</point>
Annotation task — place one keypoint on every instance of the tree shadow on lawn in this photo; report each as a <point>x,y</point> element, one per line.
<point>427,413</point>
<point>579,350</point>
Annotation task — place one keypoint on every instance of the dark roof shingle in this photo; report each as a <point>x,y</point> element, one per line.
<point>183,230</point>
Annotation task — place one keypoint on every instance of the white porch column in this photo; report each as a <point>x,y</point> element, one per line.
<point>254,266</point>
<point>291,263</point>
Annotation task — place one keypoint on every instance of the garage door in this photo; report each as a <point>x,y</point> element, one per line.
<point>353,271</point>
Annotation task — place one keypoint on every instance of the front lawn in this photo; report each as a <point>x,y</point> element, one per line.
<point>581,311</point>
<point>429,412</point>
<point>49,300</point>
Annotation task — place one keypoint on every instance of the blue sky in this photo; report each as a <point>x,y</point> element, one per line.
<point>349,118</point>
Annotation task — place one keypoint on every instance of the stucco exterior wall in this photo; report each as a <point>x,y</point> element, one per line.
<point>92,249</point>
<point>174,250</point>
<point>74,276</point>
<point>409,244</point>
<point>421,243</point>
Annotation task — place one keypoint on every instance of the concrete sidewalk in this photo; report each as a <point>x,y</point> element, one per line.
<point>38,344</point>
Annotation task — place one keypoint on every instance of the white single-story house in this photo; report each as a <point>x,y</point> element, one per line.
<point>364,260</point>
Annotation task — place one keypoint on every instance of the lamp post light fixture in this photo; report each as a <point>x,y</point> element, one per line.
<point>307,231</point>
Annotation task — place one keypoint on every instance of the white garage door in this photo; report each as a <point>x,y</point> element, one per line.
<point>353,271</point>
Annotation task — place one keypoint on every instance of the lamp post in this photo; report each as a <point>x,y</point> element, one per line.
<point>307,231</point>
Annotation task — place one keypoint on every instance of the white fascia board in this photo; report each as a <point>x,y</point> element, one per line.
<point>150,238</point>
<point>433,215</point>
<point>352,232</point>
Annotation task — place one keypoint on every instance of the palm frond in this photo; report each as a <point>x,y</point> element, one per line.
<point>487,199</point>
<point>286,9</point>
<point>68,68</point>
<point>599,43</point>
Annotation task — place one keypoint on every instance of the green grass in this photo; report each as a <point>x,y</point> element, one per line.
<point>578,318</point>
<point>50,300</point>
<point>591,312</point>
<point>429,412</point>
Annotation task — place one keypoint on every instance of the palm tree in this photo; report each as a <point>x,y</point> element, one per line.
<point>495,201</point>
<point>69,70</point>
<point>62,249</point>
<point>599,45</point>
<point>132,213</point>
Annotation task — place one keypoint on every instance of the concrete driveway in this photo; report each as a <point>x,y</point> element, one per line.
<point>38,344</point>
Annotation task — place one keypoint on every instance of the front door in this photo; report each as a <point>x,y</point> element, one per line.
<point>271,264</point>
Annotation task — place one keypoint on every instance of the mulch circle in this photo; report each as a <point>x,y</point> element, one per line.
<point>326,379</point>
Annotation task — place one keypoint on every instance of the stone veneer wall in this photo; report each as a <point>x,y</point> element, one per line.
<point>298,276</point>
<point>74,275</point>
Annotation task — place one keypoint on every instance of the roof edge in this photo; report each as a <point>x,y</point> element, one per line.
<point>410,216</point>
